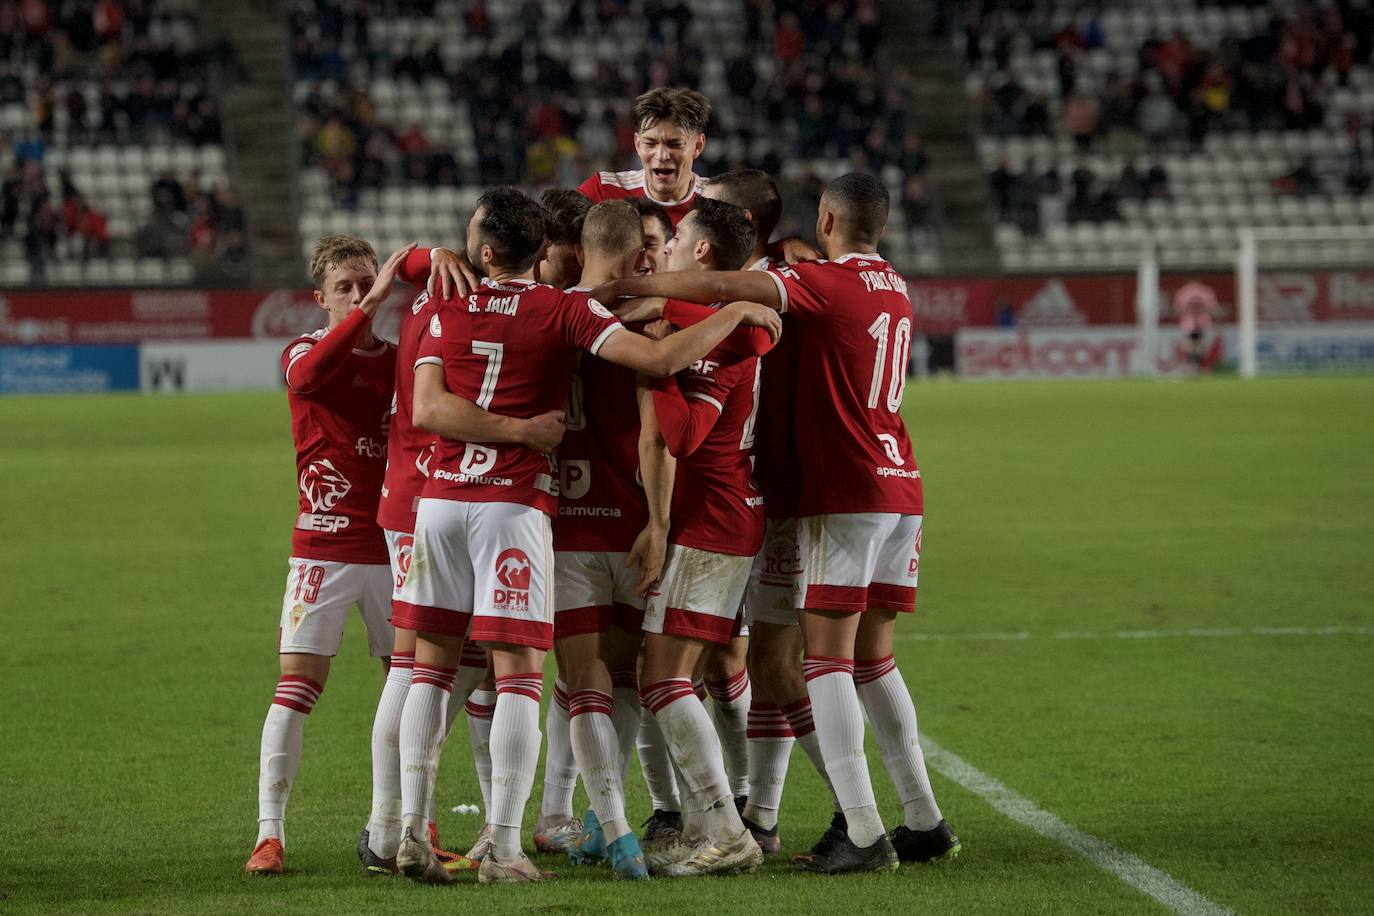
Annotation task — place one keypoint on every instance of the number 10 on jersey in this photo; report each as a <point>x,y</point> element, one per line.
<point>898,340</point>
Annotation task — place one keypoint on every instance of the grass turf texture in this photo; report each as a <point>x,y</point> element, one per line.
<point>144,554</point>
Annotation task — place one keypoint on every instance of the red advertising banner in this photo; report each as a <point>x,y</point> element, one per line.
<point>940,306</point>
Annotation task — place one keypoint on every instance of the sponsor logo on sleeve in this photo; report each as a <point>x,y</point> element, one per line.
<point>436,328</point>
<point>597,309</point>
<point>513,574</point>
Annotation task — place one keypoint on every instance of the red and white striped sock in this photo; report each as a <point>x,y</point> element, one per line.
<point>280,752</point>
<point>730,701</point>
<point>384,825</point>
<point>514,757</point>
<point>656,764</point>
<point>560,766</point>
<point>625,715</point>
<point>598,758</point>
<point>830,684</point>
<point>888,703</point>
<point>770,748</point>
<point>692,740</point>
<point>422,734</point>
<point>481,706</point>
<point>798,715</point>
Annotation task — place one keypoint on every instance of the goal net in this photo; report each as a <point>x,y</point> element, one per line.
<point>1304,300</point>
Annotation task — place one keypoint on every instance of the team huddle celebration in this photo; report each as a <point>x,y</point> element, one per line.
<point>626,425</point>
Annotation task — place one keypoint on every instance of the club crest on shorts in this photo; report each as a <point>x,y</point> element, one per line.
<point>297,615</point>
<point>513,572</point>
<point>405,549</point>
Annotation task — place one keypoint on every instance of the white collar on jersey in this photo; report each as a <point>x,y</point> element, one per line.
<point>864,255</point>
<point>763,263</point>
<point>488,281</point>
<point>697,183</point>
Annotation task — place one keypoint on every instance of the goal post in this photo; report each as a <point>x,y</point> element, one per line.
<point>1301,250</point>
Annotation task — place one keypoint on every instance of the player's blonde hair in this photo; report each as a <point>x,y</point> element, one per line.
<point>612,228</point>
<point>333,250</point>
<point>686,108</point>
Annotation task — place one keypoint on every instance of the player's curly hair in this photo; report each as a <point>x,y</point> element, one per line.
<point>513,226</point>
<point>756,192</point>
<point>860,203</point>
<point>686,108</point>
<point>333,250</point>
<point>564,211</point>
<point>728,230</point>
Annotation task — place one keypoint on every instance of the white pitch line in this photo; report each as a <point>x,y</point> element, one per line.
<point>1130,868</point>
<point>1191,633</point>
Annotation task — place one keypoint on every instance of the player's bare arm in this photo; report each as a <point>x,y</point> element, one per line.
<point>386,279</point>
<point>442,412</point>
<point>648,308</point>
<point>658,469</point>
<point>671,355</point>
<point>703,286</point>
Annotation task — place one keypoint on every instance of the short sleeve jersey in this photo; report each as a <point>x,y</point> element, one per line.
<point>409,449</point>
<point>621,185</point>
<point>853,321</point>
<point>340,434</point>
<point>716,504</point>
<point>508,347</point>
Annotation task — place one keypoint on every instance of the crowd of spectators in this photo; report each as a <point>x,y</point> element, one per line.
<point>1166,95</point>
<point>206,223</point>
<point>801,82</point>
<point>183,218</point>
<point>120,70</point>
<point>1035,197</point>
<point>112,72</point>
<point>1174,88</point>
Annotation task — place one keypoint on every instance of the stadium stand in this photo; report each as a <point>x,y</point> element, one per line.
<point>1108,128</point>
<point>408,109</point>
<point>112,151</point>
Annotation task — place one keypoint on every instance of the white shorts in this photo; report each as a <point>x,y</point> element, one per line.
<point>860,561</point>
<point>594,590</point>
<point>698,595</point>
<point>775,584</point>
<point>318,596</point>
<point>399,546</point>
<point>488,564</point>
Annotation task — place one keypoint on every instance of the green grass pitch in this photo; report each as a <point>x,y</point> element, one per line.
<point>145,541</point>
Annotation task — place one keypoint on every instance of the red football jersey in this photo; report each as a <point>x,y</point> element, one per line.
<point>620,185</point>
<point>509,349</point>
<point>409,450</point>
<point>852,320</point>
<point>602,505</point>
<point>339,428</point>
<point>716,504</point>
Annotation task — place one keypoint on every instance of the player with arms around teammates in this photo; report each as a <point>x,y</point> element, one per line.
<point>410,450</point>
<point>339,386</point>
<point>482,560</point>
<point>860,513</point>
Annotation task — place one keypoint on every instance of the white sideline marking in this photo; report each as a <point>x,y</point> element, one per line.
<point>1194,632</point>
<point>1130,868</point>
